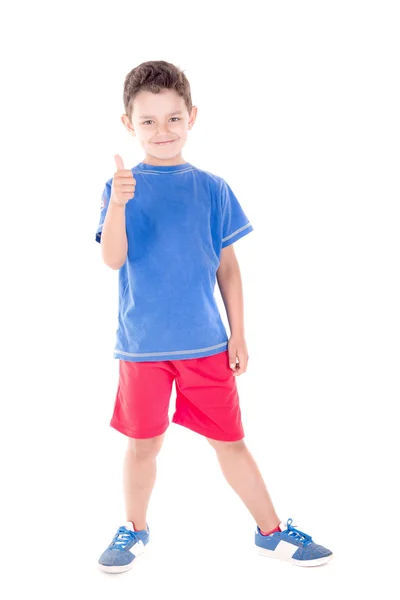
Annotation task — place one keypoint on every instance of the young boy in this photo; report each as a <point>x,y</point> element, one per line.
<point>169,227</point>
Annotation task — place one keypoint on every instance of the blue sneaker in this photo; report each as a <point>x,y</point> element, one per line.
<point>126,545</point>
<point>292,545</point>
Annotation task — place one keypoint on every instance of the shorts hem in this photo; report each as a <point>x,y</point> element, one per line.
<point>134,434</point>
<point>207,434</point>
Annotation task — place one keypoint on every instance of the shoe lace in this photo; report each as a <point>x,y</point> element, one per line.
<point>297,534</point>
<point>122,538</point>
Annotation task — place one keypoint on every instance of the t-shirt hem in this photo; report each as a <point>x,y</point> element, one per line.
<point>234,237</point>
<point>176,355</point>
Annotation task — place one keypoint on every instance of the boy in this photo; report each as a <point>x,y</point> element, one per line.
<point>169,227</point>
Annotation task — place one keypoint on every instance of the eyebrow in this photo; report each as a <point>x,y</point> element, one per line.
<point>177,112</point>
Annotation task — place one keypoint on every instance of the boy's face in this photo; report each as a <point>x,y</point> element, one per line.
<point>159,118</point>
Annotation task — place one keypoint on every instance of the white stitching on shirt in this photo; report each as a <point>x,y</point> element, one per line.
<point>138,171</point>
<point>235,232</point>
<point>170,353</point>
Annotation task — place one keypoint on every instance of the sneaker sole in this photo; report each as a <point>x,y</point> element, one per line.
<point>300,563</point>
<point>116,569</point>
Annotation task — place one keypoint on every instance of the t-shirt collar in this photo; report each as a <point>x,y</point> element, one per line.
<point>163,169</point>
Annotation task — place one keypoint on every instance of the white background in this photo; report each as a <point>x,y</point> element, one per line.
<point>298,109</point>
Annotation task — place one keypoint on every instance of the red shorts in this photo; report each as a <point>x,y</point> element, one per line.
<point>207,400</point>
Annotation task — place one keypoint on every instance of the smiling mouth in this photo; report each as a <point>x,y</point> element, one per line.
<point>164,143</point>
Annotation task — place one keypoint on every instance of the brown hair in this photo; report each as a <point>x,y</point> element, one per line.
<point>155,76</point>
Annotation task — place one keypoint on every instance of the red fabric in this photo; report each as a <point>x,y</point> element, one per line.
<point>207,399</point>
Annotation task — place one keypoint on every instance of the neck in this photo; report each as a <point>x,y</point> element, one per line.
<point>167,162</point>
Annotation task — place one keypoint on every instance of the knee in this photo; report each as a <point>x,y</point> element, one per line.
<point>221,446</point>
<point>145,448</point>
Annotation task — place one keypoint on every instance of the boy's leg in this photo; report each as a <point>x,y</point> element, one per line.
<point>242,474</point>
<point>139,477</point>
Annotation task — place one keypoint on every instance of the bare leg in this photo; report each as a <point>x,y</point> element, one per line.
<point>140,471</point>
<point>243,475</point>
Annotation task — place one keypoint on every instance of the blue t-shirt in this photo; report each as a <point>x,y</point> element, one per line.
<point>176,225</point>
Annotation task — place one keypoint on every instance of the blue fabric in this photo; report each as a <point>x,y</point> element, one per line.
<point>176,225</point>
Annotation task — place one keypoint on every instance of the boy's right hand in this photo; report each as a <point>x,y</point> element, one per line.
<point>123,185</point>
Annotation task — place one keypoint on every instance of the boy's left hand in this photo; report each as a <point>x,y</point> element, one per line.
<point>237,349</point>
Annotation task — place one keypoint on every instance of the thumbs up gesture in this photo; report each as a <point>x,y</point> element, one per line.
<point>123,185</point>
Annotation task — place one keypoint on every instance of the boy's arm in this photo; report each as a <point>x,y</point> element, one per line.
<point>114,243</point>
<point>230,284</point>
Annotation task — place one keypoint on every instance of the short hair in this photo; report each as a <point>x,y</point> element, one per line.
<point>155,76</point>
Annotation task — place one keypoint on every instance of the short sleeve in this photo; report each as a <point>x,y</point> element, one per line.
<point>235,223</point>
<point>105,199</point>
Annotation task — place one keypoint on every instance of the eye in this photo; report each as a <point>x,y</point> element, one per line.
<point>149,121</point>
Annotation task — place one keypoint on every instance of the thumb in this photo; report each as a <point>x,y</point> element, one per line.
<point>119,162</point>
<point>232,361</point>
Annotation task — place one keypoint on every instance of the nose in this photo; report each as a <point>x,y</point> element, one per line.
<point>163,129</point>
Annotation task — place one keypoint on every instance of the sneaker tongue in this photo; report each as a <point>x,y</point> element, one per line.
<point>282,526</point>
<point>129,525</point>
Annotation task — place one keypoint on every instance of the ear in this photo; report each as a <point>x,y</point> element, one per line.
<point>192,117</point>
<point>127,123</point>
